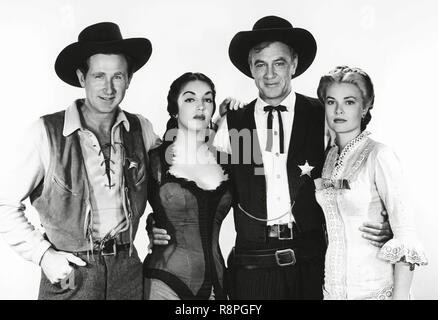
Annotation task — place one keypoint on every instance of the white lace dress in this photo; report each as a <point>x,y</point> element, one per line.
<point>357,186</point>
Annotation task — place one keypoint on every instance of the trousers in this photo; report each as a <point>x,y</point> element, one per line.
<point>118,277</point>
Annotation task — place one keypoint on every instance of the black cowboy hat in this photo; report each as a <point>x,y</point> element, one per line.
<point>273,28</point>
<point>104,37</point>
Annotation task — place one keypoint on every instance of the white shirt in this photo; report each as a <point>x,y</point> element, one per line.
<point>107,211</point>
<point>277,187</point>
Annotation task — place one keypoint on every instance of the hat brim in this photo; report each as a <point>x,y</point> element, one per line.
<point>300,40</point>
<point>68,61</point>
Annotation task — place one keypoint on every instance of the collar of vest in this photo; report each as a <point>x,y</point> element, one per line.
<point>73,122</point>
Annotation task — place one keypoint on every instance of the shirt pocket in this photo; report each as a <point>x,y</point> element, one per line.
<point>62,186</point>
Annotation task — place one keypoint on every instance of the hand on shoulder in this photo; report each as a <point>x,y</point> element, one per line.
<point>230,104</point>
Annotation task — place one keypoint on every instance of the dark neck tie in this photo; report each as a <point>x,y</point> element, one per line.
<point>269,139</point>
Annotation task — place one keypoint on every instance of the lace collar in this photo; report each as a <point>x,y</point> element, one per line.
<point>351,145</point>
<point>202,168</point>
<point>347,152</point>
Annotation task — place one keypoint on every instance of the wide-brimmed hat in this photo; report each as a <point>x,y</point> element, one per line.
<point>273,28</point>
<point>104,37</point>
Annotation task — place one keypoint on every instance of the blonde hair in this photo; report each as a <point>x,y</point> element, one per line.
<point>356,76</point>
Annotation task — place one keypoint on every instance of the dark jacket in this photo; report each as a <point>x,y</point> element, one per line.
<point>306,144</point>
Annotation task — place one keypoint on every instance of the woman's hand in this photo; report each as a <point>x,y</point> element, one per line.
<point>230,104</point>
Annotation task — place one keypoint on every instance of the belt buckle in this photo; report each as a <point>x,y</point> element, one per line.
<point>109,248</point>
<point>281,254</point>
<point>285,232</point>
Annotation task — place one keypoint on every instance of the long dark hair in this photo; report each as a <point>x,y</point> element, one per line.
<point>175,90</point>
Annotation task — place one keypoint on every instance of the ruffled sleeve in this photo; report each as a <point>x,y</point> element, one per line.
<point>408,251</point>
<point>404,247</point>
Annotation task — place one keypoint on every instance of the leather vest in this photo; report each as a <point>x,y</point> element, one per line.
<point>62,198</point>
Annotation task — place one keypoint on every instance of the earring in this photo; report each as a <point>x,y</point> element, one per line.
<point>213,126</point>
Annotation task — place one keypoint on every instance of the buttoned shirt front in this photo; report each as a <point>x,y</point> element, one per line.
<point>278,200</point>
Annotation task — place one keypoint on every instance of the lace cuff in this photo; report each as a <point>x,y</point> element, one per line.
<point>397,250</point>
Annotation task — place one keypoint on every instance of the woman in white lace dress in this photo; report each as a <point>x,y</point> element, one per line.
<point>360,180</point>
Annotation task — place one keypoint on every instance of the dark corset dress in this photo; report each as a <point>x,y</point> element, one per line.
<point>192,263</point>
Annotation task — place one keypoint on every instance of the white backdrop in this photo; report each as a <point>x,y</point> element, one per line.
<point>395,41</point>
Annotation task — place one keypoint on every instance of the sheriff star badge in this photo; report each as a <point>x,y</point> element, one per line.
<point>306,169</point>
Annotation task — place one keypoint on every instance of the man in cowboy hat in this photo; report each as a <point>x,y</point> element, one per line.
<point>280,242</point>
<point>84,170</point>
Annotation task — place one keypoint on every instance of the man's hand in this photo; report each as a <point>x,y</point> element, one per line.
<point>377,232</point>
<point>158,237</point>
<point>56,264</point>
<point>229,104</point>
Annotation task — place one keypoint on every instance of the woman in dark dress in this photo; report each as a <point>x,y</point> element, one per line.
<point>190,197</point>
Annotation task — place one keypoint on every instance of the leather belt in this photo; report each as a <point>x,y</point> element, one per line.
<point>271,258</point>
<point>106,248</point>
